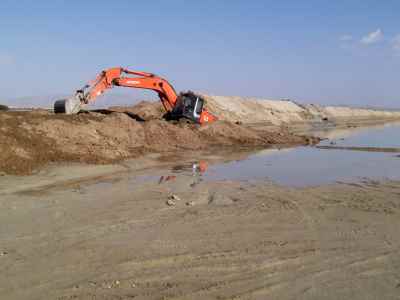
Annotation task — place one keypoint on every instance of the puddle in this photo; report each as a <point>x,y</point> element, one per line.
<point>301,166</point>
<point>308,166</point>
<point>385,136</point>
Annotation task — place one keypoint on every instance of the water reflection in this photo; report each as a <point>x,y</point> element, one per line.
<point>305,166</point>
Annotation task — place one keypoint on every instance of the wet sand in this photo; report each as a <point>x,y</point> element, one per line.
<point>133,231</point>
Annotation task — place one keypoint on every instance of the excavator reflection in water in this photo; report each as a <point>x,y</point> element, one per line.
<point>198,169</point>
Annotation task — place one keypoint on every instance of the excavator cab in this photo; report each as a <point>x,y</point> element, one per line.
<point>188,106</point>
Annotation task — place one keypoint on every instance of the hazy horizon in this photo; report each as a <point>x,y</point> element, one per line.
<point>126,99</point>
<point>311,52</point>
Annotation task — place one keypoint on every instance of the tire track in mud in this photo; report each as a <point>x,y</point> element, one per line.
<point>273,242</point>
<point>255,279</point>
<point>260,280</point>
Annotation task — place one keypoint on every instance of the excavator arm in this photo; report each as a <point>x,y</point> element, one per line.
<point>115,77</point>
<point>186,105</point>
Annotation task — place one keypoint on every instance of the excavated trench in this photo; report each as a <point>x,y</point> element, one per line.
<point>33,139</point>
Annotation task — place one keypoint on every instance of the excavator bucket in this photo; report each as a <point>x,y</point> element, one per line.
<point>68,106</point>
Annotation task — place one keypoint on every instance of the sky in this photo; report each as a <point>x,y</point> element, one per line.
<point>328,52</point>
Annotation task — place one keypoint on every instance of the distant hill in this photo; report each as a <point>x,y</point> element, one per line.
<point>3,107</point>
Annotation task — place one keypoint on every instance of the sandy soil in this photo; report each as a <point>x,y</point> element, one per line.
<point>117,238</point>
<point>30,140</point>
<point>282,112</point>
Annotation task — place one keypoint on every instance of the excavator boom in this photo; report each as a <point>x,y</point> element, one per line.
<point>186,105</point>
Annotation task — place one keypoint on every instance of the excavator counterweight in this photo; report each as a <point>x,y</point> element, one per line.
<point>185,105</point>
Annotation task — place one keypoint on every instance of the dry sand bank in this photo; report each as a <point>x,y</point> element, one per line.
<point>254,110</point>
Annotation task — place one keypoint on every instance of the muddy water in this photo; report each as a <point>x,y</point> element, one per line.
<point>309,166</point>
<point>386,135</point>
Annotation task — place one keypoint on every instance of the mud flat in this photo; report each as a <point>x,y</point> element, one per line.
<point>151,235</point>
<point>369,149</point>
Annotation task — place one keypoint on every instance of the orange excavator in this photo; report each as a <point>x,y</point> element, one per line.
<point>185,105</point>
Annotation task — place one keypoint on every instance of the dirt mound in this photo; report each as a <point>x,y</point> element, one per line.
<point>144,110</point>
<point>30,140</point>
<point>278,112</point>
